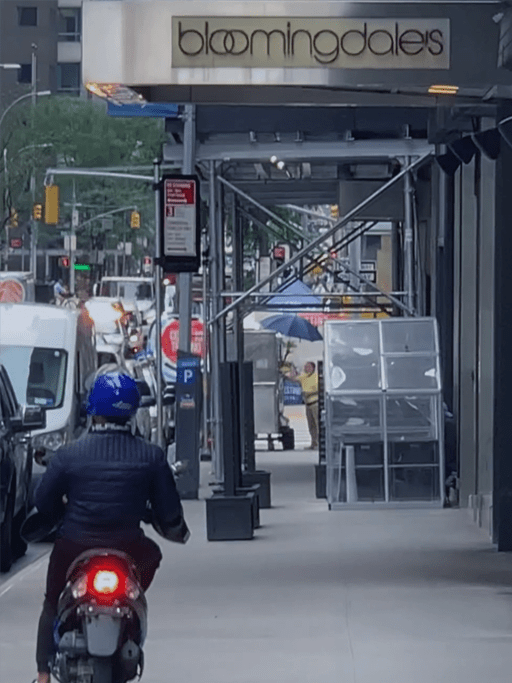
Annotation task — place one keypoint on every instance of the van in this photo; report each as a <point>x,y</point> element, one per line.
<point>134,292</point>
<point>49,353</point>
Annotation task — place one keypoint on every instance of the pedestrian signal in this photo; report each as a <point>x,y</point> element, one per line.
<point>64,261</point>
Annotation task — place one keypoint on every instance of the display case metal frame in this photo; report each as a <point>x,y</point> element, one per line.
<point>342,442</point>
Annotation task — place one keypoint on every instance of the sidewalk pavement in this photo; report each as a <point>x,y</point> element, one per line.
<point>382,596</point>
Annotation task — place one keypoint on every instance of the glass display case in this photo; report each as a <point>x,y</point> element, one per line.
<point>383,413</point>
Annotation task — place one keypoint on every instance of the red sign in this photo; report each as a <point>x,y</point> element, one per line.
<point>179,192</point>
<point>16,243</point>
<point>279,253</point>
<point>11,292</point>
<point>171,337</point>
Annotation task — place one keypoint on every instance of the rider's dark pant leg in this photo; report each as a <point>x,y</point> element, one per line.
<point>147,557</point>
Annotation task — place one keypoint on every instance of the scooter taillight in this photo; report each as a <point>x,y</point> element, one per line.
<point>105,584</point>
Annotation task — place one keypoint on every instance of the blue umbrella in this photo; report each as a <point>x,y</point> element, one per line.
<point>292,326</point>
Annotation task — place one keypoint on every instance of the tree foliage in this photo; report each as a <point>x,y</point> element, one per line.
<point>69,132</point>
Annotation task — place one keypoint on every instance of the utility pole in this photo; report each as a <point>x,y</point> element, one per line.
<point>185,279</point>
<point>72,242</point>
<point>33,223</point>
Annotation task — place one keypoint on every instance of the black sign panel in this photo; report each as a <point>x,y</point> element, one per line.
<point>180,225</point>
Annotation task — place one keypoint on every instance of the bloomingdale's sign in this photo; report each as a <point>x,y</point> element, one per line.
<point>274,42</point>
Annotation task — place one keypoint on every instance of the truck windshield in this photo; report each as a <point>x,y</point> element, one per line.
<point>124,289</point>
<point>38,375</point>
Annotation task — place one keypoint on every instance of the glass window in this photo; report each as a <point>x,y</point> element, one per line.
<point>27,16</point>
<point>132,291</point>
<point>409,336</point>
<point>70,24</point>
<point>38,375</point>
<point>25,73</point>
<point>412,372</point>
<point>68,78</point>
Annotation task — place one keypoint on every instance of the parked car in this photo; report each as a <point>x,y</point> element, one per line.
<point>15,468</point>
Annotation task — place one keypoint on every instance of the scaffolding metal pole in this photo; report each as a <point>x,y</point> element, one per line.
<point>158,319</point>
<point>215,322</point>
<point>185,279</point>
<point>321,238</point>
<point>408,238</point>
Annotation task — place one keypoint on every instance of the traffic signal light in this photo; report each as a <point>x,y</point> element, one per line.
<point>335,211</point>
<point>135,219</point>
<point>64,261</point>
<point>13,219</point>
<point>37,212</point>
<point>51,204</point>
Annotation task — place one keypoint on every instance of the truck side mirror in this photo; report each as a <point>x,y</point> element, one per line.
<point>33,417</point>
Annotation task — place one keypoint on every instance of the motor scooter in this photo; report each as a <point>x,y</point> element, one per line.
<point>101,621</point>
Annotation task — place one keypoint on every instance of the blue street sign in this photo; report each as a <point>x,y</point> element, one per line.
<point>150,110</point>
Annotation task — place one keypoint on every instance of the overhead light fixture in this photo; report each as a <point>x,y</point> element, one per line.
<point>273,159</point>
<point>252,136</point>
<point>488,142</point>
<point>448,162</point>
<point>464,149</point>
<point>281,165</point>
<point>443,89</point>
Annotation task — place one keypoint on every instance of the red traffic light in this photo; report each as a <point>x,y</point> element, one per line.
<point>16,243</point>
<point>279,253</point>
<point>64,262</point>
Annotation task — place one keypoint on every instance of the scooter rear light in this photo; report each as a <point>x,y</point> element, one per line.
<point>105,582</point>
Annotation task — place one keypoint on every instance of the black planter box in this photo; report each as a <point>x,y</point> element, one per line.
<point>262,478</point>
<point>230,518</point>
<point>320,480</point>
<point>255,489</point>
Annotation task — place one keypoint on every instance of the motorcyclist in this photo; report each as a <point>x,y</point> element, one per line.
<point>101,485</point>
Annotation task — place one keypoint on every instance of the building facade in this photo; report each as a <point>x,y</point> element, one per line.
<point>44,33</point>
